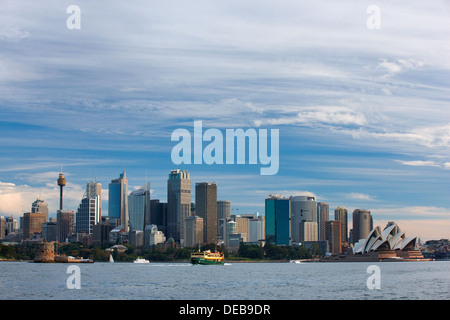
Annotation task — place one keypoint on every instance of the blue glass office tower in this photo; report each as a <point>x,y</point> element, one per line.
<point>278,220</point>
<point>118,201</point>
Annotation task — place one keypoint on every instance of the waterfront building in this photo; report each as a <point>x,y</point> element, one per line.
<point>362,224</point>
<point>223,215</point>
<point>193,231</point>
<point>242,225</point>
<point>49,231</point>
<point>303,209</point>
<point>139,208</point>
<point>323,215</point>
<point>278,220</point>
<point>340,214</point>
<point>89,210</point>
<point>65,224</point>
<point>256,229</point>
<point>308,231</point>
<point>32,223</point>
<point>2,228</point>
<point>136,238</point>
<point>206,208</point>
<point>153,236</point>
<point>118,201</point>
<point>101,234</point>
<point>178,202</point>
<point>158,214</point>
<point>333,235</point>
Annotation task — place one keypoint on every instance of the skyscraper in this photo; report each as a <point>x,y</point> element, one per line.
<point>40,206</point>
<point>333,235</point>
<point>223,214</point>
<point>340,214</point>
<point>304,209</point>
<point>65,224</point>
<point>118,201</point>
<point>323,215</point>
<point>89,210</point>
<point>32,223</point>
<point>362,224</point>
<point>278,220</point>
<point>193,231</point>
<point>178,202</point>
<point>206,208</point>
<point>139,208</point>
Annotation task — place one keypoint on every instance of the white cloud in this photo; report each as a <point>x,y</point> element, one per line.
<point>359,196</point>
<point>420,163</point>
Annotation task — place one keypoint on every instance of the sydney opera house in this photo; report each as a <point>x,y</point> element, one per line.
<point>390,244</point>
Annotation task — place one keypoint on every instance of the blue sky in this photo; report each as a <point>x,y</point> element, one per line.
<point>363,115</point>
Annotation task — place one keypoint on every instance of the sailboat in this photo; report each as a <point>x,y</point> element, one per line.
<point>111,259</point>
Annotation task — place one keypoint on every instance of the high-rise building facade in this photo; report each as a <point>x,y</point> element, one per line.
<point>323,215</point>
<point>178,202</point>
<point>89,210</point>
<point>333,235</point>
<point>118,201</point>
<point>40,206</point>
<point>340,214</point>
<point>223,215</point>
<point>206,208</point>
<point>362,224</point>
<point>139,208</point>
<point>193,231</point>
<point>303,209</point>
<point>278,220</point>
<point>65,224</point>
<point>158,214</point>
<point>308,231</point>
<point>32,223</point>
<point>256,229</point>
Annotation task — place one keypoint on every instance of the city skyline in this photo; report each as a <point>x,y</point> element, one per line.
<point>362,124</point>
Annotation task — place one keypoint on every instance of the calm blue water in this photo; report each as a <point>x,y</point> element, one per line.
<point>254,281</point>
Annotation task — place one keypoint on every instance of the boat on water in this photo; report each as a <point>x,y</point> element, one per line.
<point>111,259</point>
<point>141,260</point>
<point>295,261</point>
<point>207,257</point>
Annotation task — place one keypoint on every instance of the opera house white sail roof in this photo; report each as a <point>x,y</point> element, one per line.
<point>391,238</point>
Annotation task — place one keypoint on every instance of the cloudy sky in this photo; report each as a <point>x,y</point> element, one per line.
<point>363,113</point>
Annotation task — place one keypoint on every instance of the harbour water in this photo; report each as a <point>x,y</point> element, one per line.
<point>232,281</point>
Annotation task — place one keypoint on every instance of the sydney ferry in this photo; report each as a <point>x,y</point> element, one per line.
<point>207,257</point>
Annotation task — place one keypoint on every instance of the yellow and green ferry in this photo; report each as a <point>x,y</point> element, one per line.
<point>207,257</point>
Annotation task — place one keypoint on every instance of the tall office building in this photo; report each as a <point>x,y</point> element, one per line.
<point>256,229</point>
<point>2,228</point>
<point>139,208</point>
<point>304,209</point>
<point>158,214</point>
<point>362,224</point>
<point>323,215</point>
<point>206,208</point>
<point>178,202</point>
<point>118,201</point>
<point>340,214</point>
<point>333,235</point>
<point>223,214</point>
<point>65,224</point>
<point>40,206</point>
<point>278,220</point>
<point>193,234</point>
<point>90,208</point>
<point>308,231</point>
